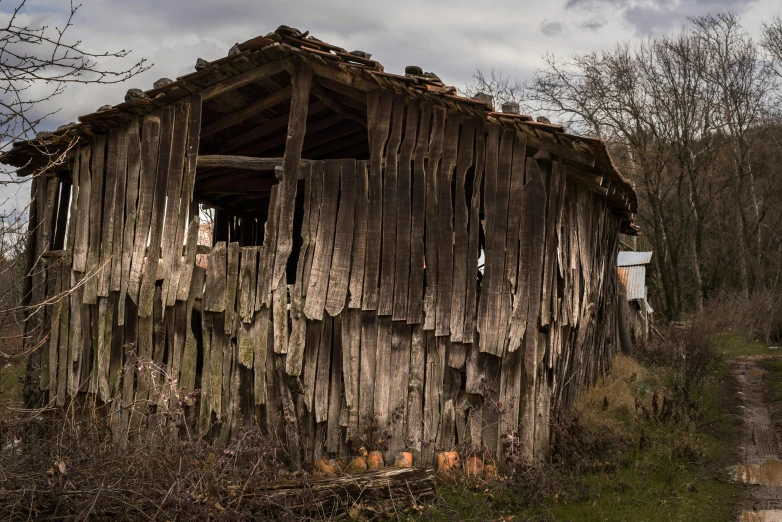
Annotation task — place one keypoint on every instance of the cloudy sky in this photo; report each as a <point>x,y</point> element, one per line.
<point>449,38</point>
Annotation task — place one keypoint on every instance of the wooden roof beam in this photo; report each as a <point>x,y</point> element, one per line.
<point>267,128</point>
<point>337,107</point>
<point>279,141</point>
<point>248,112</point>
<point>238,182</point>
<point>240,80</point>
<point>340,76</point>
<point>348,143</point>
<point>330,135</point>
<point>241,162</point>
<point>359,97</point>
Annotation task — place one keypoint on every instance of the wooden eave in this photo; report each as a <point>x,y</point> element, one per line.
<point>346,78</point>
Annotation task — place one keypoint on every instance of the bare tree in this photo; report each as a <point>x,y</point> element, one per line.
<point>744,82</point>
<point>502,88</point>
<point>772,42</point>
<point>37,64</point>
<point>687,117</point>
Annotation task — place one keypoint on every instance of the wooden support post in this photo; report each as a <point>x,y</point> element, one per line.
<point>297,126</point>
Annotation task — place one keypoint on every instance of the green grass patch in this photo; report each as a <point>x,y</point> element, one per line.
<point>734,343</point>
<point>635,467</point>
<point>11,383</point>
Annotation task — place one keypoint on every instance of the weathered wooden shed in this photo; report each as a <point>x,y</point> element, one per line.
<point>341,302</point>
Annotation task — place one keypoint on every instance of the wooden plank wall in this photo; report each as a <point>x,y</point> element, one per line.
<point>386,336</point>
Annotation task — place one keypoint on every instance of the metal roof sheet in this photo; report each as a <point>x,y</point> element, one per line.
<point>633,258</point>
<point>634,279</point>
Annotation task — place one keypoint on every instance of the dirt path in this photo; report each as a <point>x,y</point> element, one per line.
<point>760,448</point>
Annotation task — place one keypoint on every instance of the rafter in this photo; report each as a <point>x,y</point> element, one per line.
<point>246,113</point>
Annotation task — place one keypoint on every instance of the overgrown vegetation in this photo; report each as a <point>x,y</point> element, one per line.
<point>652,441</point>
<point>52,466</point>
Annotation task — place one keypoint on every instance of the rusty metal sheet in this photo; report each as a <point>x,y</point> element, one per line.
<point>634,279</point>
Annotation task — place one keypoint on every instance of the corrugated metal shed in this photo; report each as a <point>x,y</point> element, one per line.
<point>634,279</point>
<point>633,258</point>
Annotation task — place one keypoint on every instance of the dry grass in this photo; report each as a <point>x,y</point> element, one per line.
<point>618,395</point>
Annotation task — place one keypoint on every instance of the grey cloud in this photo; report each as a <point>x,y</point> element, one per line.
<point>592,4</point>
<point>647,17</point>
<point>550,28</point>
<point>592,25</point>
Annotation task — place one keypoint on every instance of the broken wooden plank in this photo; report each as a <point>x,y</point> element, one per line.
<point>263,295</point>
<point>473,247</point>
<point>185,205</point>
<point>433,219</point>
<point>351,367</point>
<point>298,336</point>
<point>460,234</point>
<point>509,403</point>
<point>311,347</point>
<point>339,277</point>
<point>445,225</point>
<point>451,381</point>
<point>280,317</point>
<point>316,200</point>
<point>322,388</point>
<point>172,245</point>
<point>359,248</point>
<point>191,250</point>
<point>388,248</point>
<point>403,214</point>
<point>187,373</point>
<point>214,292</point>
<point>120,191</point>
<point>150,143</point>
<point>231,280</point>
<point>366,399</point>
<point>415,303</point>
<point>379,121</point>
<point>299,289</point>
<point>81,212</point>
<point>415,397</point>
<point>496,208</point>
<point>150,267</point>
<point>556,188</point>
<point>335,389</point>
<point>526,304</point>
<point>400,379</point>
<point>107,227</point>
<point>514,210</point>
<point>490,414</point>
<point>324,243</point>
<point>247,283</point>
<point>98,153</point>
<point>131,210</point>
<point>435,362</point>
<point>383,373</point>
<point>261,351</point>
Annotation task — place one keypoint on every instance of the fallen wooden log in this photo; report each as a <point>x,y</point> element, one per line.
<point>375,490</point>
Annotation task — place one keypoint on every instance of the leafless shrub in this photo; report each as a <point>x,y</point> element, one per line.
<point>62,464</point>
